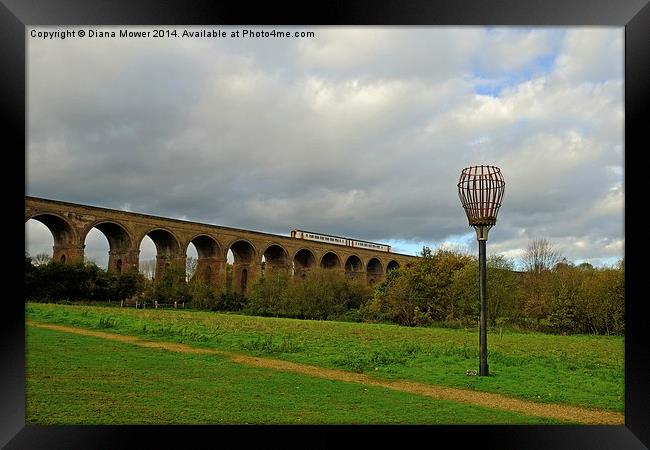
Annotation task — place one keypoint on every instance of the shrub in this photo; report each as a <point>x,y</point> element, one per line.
<point>229,300</point>
<point>322,294</point>
<point>420,293</point>
<point>170,287</point>
<point>203,295</point>
<point>57,281</point>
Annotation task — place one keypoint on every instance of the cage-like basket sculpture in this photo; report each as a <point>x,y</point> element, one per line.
<point>481,189</point>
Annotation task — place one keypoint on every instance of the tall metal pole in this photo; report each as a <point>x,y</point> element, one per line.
<point>480,189</point>
<point>483,369</point>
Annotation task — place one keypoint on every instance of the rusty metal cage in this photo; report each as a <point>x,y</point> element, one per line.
<point>481,189</point>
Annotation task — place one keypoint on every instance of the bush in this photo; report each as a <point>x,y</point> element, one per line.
<point>203,295</point>
<point>323,294</point>
<point>57,281</point>
<point>351,315</point>
<point>420,293</point>
<point>464,301</point>
<point>170,287</point>
<point>268,296</point>
<point>230,301</point>
<point>421,319</point>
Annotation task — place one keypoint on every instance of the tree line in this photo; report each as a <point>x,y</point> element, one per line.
<point>439,288</point>
<point>52,281</point>
<point>550,295</point>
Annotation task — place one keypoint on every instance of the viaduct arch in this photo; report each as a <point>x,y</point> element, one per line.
<point>70,223</point>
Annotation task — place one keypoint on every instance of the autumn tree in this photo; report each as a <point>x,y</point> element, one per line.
<point>322,294</point>
<point>170,286</point>
<point>420,293</point>
<point>601,306</point>
<point>501,286</point>
<point>539,258</point>
<point>540,255</point>
<point>564,293</point>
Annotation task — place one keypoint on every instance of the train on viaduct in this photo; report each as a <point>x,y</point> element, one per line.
<point>254,252</point>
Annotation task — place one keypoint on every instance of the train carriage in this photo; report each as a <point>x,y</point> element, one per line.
<point>338,240</point>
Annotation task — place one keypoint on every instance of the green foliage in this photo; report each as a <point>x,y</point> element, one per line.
<point>203,296</point>
<point>230,301</point>
<point>268,295</point>
<point>365,361</point>
<point>269,345</point>
<point>602,303</point>
<point>442,287</point>
<point>106,322</point>
<point>502,291</point>
<point>350,315</point>
<point>110,286</point>
<point>323,294</point>
<point>564,294</point>
<point>569,299</point>
<point>170,287</point>
<point>57,281</point>
<point>420,293</point>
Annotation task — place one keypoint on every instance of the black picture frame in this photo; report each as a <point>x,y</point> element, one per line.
<point>634,15</point>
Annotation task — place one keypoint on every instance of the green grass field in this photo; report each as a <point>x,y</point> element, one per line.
<point>95,381</point>
<point>68,374</point>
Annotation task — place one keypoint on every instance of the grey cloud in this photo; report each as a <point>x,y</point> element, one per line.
<point>362,134</point>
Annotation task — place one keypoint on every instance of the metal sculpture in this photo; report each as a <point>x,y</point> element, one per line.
<point>481,189</point>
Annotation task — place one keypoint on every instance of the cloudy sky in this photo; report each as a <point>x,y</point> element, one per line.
<point>357,131</point>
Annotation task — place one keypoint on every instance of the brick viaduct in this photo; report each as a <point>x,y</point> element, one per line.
<point>71,222</point>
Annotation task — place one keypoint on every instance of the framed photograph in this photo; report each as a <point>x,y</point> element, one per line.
<point>351,117</point>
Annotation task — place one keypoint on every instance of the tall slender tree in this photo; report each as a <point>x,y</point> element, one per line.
<point>540,255</point>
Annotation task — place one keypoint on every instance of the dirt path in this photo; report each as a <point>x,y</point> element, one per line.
<point>485,399</point>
